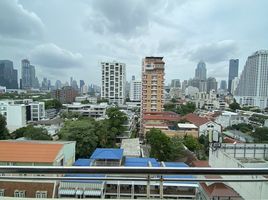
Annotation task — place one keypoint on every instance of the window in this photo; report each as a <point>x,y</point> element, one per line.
<point>19,193</point>
<point>41,194</point>
<point>2,192</point>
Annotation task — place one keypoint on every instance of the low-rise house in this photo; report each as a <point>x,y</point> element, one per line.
<point>227,118</point>
<point>204,125</point>
<point>34,153</point>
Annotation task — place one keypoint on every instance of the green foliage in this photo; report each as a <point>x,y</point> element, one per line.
<point>182,109</point>
<point>234,106</point>
<point>85,102</point>
<point>203,140</point>
<point>70,115</point>
<point>162,147</point>
<point>261,135</point>
<point>53,104</point>
<point>116,120</point>
<point>31,133</point>
<point>191,143</point>
<point>84,133</point>
<point>102,100</point>
<point>243,127</point>
<point>4,134</point>
<point>258,118</point>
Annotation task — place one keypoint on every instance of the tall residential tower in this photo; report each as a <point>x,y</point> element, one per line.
<point>113,82</point>
<point>233,72</point>
<point>252,88</point>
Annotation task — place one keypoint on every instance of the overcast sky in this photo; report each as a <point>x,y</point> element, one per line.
<point>64,38</point>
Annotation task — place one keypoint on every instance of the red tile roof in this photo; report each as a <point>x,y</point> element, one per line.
<point>195,119</point>
<point>27,151</point>
<point>167,116</point>
<point>219,190</point>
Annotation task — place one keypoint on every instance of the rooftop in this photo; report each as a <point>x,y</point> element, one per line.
<point>107,154</point>
<point>195,119</point>
<point>131,147</point>
<point>29,151</point>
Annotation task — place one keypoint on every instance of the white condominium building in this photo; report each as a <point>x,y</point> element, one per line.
<point>135,90</point>
<point>113,82</point>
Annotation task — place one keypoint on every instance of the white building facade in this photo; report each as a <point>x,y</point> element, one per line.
<point>252,89</point>
<point>135,90</point>
<point>113,82</point>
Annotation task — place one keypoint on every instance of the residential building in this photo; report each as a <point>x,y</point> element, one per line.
<point>28,75</point>
<point>212,84</point>
<point>135,90</point>
<point>8,75</point>
<point>152,84</point>
<point>234,85</point>
<point>113,82</point>
<point>16,116</point>
<point>65,95</point>
<point>233,72</point>
<point>201,71</point>
<point>34,153</point>
<point>37,110</point>
<point>227,118</point>
<point>204,125</point>
<point>252,89</point>
<point>243,155</point>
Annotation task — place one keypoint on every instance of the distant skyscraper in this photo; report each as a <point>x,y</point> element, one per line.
<point>175,83</point>
<point>58,84</point>
<point>201,71</point>
<point>223,85</point>
<point>152,84</point>
<point>211,84</point>
<point>8,75</point>
<point>252,88</point>
<point>233,72</point>
<point>113,82</point>
<point>82,83</point>
<point>27,74</point>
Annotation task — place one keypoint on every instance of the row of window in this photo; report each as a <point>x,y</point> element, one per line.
<point>22,193</point>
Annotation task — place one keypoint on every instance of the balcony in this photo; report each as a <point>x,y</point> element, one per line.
<point>127,182</point>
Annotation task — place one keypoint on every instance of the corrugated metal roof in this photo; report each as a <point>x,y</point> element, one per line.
<point>107,154</point>
<point>140,162</point>
<point>82,162</point>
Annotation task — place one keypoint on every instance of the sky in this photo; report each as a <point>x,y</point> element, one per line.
<point>65,38</point>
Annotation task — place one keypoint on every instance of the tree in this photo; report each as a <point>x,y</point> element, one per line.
<point>3,130</point>
<point>82,131</point>
<point>54,103</point>
<point>32,133</point>
<point>70,115</point>
<point>116,120</point>
<point>191,143</point>
<point>85,102</point>
<point>185,109</point>
<point>261,135</point>
<point>234,106</point>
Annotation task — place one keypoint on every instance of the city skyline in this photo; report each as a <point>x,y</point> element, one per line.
<point>180,31</point>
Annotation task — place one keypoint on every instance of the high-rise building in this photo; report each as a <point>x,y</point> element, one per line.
<point>252,88</point>
<point>8,75</point>
<point>234,84</point>
<point>135,90</point>
<point>211,84</point>
<point>113,82</point>
<point>201,71</point>
<point>82,83</point>
<point>27,74</point>
<point>58,84</point>
<point>152,84</point>
<point>65,95</point>
<point>233,71</point>
<point>175,83</point>
<point>223,85</point>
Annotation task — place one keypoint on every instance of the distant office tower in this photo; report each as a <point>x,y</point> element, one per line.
<point>152,84</point>
<point>201,71</point>
<point>212,84</point>
<point>223,85</point>
<point>58,84</point>
<point>234,84</point>
<point>75,85</point>
<point>252,88</point>
<point>65,95</point>
<point>27,74</point>
<point>8,75</point>
<point>113,82</point>
<point>233,71</point>
<point>175,83</point>
<point>135,90</point>
<point>82,83</point>
<point>184,85</point>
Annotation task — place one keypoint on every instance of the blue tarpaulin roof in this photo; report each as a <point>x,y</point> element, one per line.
<point>140,162</point>
<point>82,162</point>
<point>107,154</point>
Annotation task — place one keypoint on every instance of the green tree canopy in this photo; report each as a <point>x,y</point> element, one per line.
<point>261,135</point>
<point>3,130</point>
<point>234,106</point>
<point>31,133</point>
<point>116,120</point>
<point>54,103</point>
<point>191,143</point>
